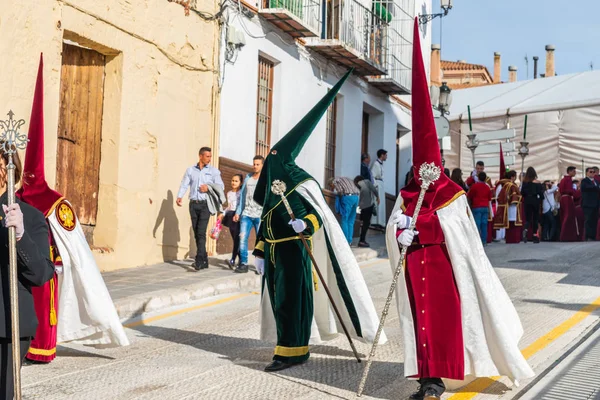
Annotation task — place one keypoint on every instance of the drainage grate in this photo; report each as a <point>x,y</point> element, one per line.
<point>527,260</point>
<point>581,378</point>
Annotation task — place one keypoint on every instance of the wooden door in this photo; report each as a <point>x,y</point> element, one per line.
<point>365,133</point>
<point>79,130</point>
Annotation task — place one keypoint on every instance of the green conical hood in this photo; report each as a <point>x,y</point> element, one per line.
<point>280,164</point>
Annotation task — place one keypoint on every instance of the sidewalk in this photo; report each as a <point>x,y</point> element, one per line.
<point>151,288</point>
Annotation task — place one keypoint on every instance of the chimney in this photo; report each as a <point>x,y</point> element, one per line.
<point>497,71</point>
<point>512,73</point>
<point>549,61</point>
<point>436,65</point>
<point>535,63</point>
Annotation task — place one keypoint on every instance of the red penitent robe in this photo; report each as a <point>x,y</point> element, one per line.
<point>509,195</point>
<point>435,303</point>
<point>568,219</point>
<point>45,301</point>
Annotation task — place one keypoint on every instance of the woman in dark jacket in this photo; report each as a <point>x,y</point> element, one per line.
<point>34,268</point>
<point>457,177</point>
<point>366,203</point>
<point>533,195</point>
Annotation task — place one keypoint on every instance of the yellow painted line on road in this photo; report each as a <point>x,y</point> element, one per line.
<point>479,385</point>
<point>185,310</point>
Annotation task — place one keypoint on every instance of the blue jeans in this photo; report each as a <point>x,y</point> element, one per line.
<point>481,220</point>
<point>246,224</point>
<point>346,207</point>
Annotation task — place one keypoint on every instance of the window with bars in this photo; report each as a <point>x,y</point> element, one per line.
<point>264,106</point>
<point>330,141</point>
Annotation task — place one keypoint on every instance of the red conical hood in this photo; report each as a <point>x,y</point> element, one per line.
<point>35,190</point>
<point>426,148</point>
<point>425,145</point>
<point>502,165</point>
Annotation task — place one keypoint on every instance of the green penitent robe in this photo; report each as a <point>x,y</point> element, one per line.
<point>289,275</point>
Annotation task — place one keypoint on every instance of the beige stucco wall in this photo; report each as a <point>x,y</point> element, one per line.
<point>159,106</point>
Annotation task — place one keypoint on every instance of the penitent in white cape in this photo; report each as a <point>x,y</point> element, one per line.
<point>86,313</point>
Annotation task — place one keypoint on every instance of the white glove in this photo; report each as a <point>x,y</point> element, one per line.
<point>14,217</point>
<point>406,237</point>
<point>401,220</point>
<point>298,225</point>
<point>259,263</point>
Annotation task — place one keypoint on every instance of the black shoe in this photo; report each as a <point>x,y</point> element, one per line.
<point>196,267</point>
<point>536,239</point>
<point>26,361</point>
<point>418,395</point>
<point>231,264</point>
<point>363,244</point>
<point>241,269</point>
<point>524,235</point>
<point>431,394</point>
<point>277,365</point>
<point>204,266</point>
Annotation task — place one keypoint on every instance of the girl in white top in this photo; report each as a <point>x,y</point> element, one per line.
<point>233,198</point>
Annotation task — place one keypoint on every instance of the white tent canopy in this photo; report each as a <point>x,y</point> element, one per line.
<point>563,122</point>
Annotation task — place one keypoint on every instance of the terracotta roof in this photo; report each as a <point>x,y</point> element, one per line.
<point>461,66</point>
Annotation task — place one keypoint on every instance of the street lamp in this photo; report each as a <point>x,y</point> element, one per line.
<point>472,144</point>
<point>441,99</point>
<point>445,5</point>
<point>523,152</point>
<point>445,99</point>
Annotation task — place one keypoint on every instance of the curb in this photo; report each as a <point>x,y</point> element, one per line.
<point>133,306</point>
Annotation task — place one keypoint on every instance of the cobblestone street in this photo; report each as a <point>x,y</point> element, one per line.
<point>208,349</point>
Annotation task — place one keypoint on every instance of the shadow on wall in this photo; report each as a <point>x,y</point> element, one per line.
<point>170,234</point>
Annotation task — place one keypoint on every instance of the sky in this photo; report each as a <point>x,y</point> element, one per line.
<point>474,29</point>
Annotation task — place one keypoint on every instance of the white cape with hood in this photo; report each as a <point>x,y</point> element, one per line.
<point>324,325</point>
<point>86,313</point>
<point>491,326</point>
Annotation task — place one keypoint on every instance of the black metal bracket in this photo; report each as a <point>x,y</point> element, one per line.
<point>425,18</point>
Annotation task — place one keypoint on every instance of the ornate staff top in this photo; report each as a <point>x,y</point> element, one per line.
<point>429,173</point>
<point>278,187</point>
<point>12,139</point>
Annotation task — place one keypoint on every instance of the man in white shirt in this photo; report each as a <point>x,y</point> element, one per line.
<point>379,217</point>
<point>197,178</point>
<point>550,211</point>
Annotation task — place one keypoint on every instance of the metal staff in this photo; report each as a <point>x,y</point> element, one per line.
<point>429,174</point>
<point>278,188</point>
<point>11,140</point>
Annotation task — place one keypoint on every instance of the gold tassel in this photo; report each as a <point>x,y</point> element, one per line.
<point>53,319</point>
<point>315,281</point>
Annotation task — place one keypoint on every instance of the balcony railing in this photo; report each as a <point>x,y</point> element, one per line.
<point>352,35</point>
<point>298,18</point>
<point>398,43</point>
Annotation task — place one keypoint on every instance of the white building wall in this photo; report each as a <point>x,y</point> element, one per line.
<point>301,79</point>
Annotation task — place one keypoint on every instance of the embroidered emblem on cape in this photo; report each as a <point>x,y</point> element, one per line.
<point>65,216</point>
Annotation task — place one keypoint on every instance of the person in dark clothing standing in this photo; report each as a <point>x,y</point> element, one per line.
<point>457,177</point>
<point>590,202</point>
<point>365,171</point>
<point>198,178</point>
<point>366,204</point>
<point>34,268</point>
<point>533,194</point>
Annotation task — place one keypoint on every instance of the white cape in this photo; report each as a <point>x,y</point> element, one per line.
<point>324,324</point>
<point>86,313</point>
<point>491,325</point>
